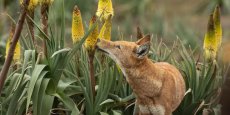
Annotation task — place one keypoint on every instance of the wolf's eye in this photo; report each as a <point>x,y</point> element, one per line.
<point>118,46</point>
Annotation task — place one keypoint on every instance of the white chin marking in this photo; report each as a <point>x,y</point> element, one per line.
<point>152,109</point>
<point>118,63</point>
<point>144,109</point>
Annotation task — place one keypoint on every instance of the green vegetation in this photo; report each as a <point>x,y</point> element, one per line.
<point>59,81</point>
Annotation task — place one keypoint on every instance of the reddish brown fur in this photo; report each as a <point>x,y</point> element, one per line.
<point>159,87</point>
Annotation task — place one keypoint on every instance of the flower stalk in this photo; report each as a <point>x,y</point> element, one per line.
<point>31,24</point>
<point>92,38</point>
<point>90,47</point>
<point>15,39</point>
<point>30,17</point>
<point>44,21</point>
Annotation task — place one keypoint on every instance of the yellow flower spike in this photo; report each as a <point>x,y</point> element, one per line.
<point>77,25</point>
<point>32,4</point>
<point>105,8</point>
<point>210,42</point>
<point>217,24</point>
<point>92,38</point>
<point>17,51</point>
<point>46,1</point>
<point>105,32</point>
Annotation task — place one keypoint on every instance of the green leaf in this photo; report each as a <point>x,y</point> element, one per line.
<point>45,101</point>
<point>22,106</point>
<point>36,94</point>
<point>103,113</point>
<point>35,75</point>
<point>116,112</point>
<point>62,42</point>
<point>63,84</point>
<point>89,103</point>
<point>107,101</point>
<point>37,26</point>
<point>16,97</point>
<point>68,102</point>
<point>73,90</point>
<point>60,51</point>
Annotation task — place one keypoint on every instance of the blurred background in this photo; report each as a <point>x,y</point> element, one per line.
<point>164,19</point>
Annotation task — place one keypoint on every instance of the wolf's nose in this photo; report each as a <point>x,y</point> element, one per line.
<point>98,40</point>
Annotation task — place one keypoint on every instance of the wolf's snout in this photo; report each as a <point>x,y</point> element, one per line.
<point>98,40</point>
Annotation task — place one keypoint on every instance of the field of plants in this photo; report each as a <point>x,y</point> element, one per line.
<point>49,63</point>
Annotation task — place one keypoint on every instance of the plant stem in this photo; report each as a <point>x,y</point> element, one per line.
<point>92,77</point>
<point>44,21</point>
<point>77,60</point>
<point>15,39</point>
<point>31,24</point>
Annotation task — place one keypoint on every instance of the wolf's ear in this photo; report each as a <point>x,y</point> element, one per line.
<point>143,40</point>
<point>142,50</point>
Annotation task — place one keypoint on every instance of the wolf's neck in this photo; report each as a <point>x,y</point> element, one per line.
<point>137,70</point>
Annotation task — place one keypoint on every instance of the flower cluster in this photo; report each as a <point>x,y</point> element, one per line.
<point>213,36</point>
<point>104,13</point>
